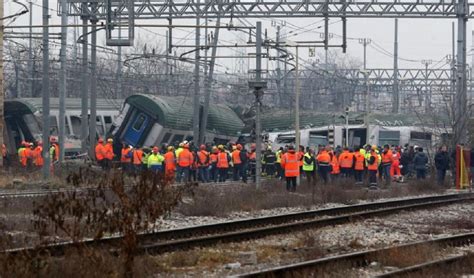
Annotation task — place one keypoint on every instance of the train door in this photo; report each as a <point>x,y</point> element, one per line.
<point>135,131</point>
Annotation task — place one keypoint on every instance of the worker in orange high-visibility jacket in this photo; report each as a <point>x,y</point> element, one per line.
<point>223,161</point>
<point>372,166</point>
<point>38,155</point>
<point>213,164</point>
<point>324,164</point>
<point>170,164</point>
<point>126,158</point>
<point>237,161</point>
<point>100,153</point>
<point>137,158</point>
<point>387,159</point>
<point>22,156</point>
<point>203,160</point>
<point>359,165</point>
<point>395,172</point>
<point>334,165</point>
<point>109,153</point>
<point>290,163</point>
<point>185,160</point>
<point>346,162</point>
<point>29,153</point>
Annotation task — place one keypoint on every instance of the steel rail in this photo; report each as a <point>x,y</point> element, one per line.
<point>361,258</point>
<point>403,272</point>
<point>204,235</point>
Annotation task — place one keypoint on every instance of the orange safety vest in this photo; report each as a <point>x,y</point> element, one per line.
<point>185,158</point>
<point>203,158</point>
<point>375,165</point>
<point>125,157</point>
<point>290,162</point>
<point>99,152</point>
<point>236,157</point>
<point>387,157</point>
<point>324,158</point>
<point>213,158</point>
<point>137,157</point>
<point>38,156</point>
<point>335,165</point>
<point>222,160</point>
<point>109,151</point>
<point>359,163</point>
<point>346,159</point>
<point>170,163</point>
<point>252,155</point>
<point>22,157</point>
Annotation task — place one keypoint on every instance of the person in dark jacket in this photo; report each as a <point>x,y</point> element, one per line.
<point>442,164</point>
<point>244,164</point>
<point>419,163</point>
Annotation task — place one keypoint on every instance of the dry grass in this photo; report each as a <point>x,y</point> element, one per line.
<point>408,256</point>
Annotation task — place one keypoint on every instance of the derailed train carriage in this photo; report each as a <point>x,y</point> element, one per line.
<point>325,128</point>
<point>23,118</point>
<point>147,120</point>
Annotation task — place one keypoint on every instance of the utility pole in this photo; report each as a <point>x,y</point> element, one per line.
<point>62,80</point>
<point>364,43</point>
<point>196,100</point>
<point>167,64</point>
<point>84,91</point>
<point>396,93</point>
<point>426,63</point>
<point>453,59</point>
<point>118,88</point>
<point>45,91</point>
<point>278,70</point>
<point>461,97</point>
<point>258,95</point>
<point>30,52</point>
<point>297,108</point>
<point>93,115</point>
<point>209,78</point>
<point>2,119</point>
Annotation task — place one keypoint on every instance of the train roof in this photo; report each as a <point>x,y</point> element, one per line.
<point>284,120</point>
<point>36,104</point>
<point>177,113</point>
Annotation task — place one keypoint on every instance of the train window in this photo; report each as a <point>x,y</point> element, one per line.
<point>53,123</point>
<point>66,123</point>
<point>285,139</point>
<point>76,125</point>
<point>416,135</point>
<point>108,119</point>
<point>177,138</point>
<point>389,137</point>
<point>139,123</point>
<point>166,138</point>
<point>32,123</point>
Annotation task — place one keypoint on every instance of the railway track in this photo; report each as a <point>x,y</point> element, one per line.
<point>363,258</point>
<point>205,235</point>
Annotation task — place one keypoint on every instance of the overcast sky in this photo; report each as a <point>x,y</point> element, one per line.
<point>419,39</point>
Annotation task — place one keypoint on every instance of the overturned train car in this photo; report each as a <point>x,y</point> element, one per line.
<point>147,120</point>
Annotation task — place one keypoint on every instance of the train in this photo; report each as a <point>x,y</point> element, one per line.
<point>383,129</point>
<point>148,120</point>
<point>23,121</point>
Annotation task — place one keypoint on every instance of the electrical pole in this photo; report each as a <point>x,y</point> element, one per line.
<point>278,81</point>
<point>297,108</point>
<point>196,100</point>
<point>461,97</point>
<point>426,63</point>
<point>396,93</point>
<point>1,81</point>
<point>30,52</point>
<point>209,78</point>
<point>167,64</point>
<point>93,81</point>
<point>364,43</point>
<point>258,94</point>
<point>62,80</point>
<point>45,91</point>
<point>84,91</point>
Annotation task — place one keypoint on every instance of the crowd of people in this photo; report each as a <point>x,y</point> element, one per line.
<point>371,165</point>
<point>219,163</point>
